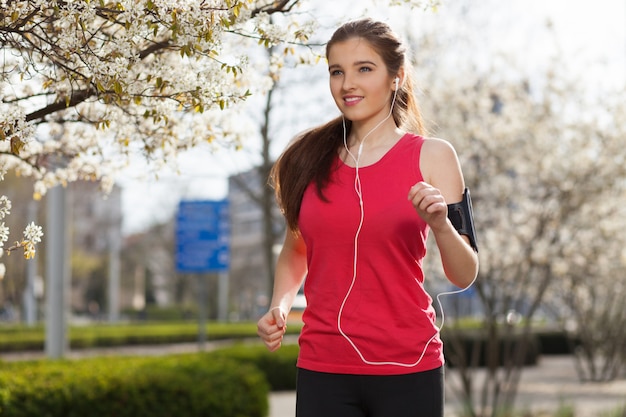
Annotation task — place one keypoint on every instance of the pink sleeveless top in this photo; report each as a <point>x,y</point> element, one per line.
<point>381,321</point>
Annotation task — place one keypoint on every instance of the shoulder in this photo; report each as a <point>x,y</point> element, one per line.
<point>438,148</point>
<point>434,147</point>
<point>438,157</point>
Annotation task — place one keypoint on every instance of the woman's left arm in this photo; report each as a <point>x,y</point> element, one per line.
<point>444,184</point>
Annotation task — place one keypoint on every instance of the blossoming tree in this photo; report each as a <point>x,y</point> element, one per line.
<point>545,162</point>
<point>88,84</point>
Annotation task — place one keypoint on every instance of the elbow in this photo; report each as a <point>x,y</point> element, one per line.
<point>463,276</point>
<point>469,280</point>
<point>472,274</point>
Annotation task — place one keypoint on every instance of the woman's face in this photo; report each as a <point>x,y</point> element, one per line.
<point>359,81</point>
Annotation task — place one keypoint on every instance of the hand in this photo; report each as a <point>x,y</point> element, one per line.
<point>429,204</point>
<point>271,328</point>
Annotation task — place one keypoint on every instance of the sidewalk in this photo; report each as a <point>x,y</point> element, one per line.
<point>543,390</point>
<point>137,350</point>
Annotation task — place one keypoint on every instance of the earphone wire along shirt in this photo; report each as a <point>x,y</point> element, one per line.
<point>388,315</point>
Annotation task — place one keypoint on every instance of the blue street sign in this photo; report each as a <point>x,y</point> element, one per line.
<point>202,236</point>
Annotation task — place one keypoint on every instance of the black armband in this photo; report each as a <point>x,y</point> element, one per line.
<point>462,218</point>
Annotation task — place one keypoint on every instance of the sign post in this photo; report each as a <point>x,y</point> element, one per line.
<point>202,246</point>
<point>202,236</point>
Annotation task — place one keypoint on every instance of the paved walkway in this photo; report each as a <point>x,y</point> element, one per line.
<point>543,389</point>
<point>138,350</point>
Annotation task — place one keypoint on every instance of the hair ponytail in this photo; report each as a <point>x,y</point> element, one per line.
<point>308,159</point>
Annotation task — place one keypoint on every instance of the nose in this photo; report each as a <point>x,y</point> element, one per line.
<point>348,82</point>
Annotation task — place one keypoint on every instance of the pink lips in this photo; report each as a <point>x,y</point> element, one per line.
<point>352,100</point>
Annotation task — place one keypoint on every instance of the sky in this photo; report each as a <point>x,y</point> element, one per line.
<point>591,35</point>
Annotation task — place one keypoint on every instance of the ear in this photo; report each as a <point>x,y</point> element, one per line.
<point>398,80</point>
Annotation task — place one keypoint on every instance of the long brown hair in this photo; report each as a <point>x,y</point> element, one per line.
<point>311,156</point>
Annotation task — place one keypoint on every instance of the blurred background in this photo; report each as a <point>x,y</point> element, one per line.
<point>531,94</point>
<point>463,53</point>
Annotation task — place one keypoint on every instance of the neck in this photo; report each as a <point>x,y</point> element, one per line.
<point>378,139</point>
<point>363,134</point>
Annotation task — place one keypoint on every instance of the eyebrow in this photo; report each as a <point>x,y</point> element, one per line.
<point>355,64</point>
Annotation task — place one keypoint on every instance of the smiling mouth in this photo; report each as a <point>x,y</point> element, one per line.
<point>352,100</point>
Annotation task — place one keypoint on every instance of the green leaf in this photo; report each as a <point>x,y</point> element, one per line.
<point>16,145</point>
<point>117,87</point>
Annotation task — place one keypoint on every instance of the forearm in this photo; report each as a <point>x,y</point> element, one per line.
<point>290,272</point>
<point>459,260</point>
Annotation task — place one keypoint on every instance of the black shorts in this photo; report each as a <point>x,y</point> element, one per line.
<point>418,394</point>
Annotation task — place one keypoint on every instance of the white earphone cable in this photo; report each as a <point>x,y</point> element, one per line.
<point>359,192</point>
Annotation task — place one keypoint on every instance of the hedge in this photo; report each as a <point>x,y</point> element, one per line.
<point>278,367</point>
<point>228,382</point>
<point>196,385</point>
<point>16,338</point>
<point>474,345</point>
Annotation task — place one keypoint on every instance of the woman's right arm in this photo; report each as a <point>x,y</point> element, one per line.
<point>291,268</point>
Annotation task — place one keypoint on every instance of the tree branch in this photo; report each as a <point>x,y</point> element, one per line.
<point>157,46</point>
<point>282,6</point>
<point>76,99</point>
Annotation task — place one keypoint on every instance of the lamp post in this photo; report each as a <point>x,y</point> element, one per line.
<point>57,273</point>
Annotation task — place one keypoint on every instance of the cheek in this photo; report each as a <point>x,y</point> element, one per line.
<point>335,91</point>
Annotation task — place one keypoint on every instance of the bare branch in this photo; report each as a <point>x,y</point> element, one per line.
<point>283,6</point>
<point>74,100</point>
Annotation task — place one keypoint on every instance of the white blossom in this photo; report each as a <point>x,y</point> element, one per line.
<point>33,233</point>
<point>4,234</point>
<point>5,206</point>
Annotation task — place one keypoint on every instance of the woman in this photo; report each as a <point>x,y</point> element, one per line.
<point>360,195</point>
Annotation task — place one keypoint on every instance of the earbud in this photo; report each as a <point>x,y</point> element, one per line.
<point>397,81</point>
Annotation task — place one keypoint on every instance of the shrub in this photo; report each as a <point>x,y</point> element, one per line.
<point>279,367</point>
<point>197,385</point>
<point>556,342</point>
<point>474,344</point>
<point>21,338</point>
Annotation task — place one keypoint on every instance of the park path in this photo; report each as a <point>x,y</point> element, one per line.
<point>545,387</point>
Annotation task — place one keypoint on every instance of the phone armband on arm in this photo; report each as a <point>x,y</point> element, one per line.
<point>462,218</point>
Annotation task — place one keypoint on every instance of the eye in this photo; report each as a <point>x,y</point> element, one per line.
<point>336,72</point>
<point>365,69</point>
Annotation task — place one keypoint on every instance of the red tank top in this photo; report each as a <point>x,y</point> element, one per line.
<point>381,320</point>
